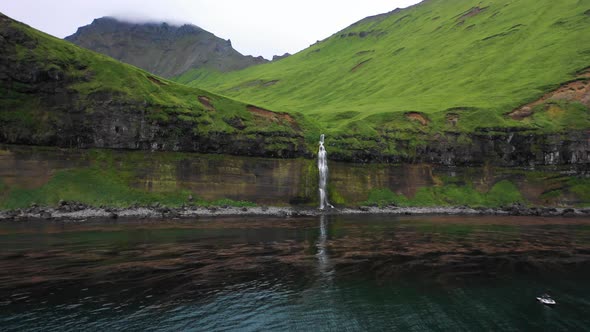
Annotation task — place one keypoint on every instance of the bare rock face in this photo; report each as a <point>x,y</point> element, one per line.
<point>508,148</point>
<point>280,57</point>
<point>161,48</point>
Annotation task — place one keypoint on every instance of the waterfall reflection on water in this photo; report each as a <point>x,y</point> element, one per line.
<point>324,265</point>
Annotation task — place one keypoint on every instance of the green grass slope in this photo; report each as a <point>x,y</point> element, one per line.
<point>439,66</point>
<point>50,88</point>
<point>88,72</point>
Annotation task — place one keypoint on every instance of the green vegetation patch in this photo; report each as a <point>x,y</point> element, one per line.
<point>503,193</point>
<point>98,186</point>
<point>92,186</point>
<point>580,187</point>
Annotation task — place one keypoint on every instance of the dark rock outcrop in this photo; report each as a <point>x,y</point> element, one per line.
<point>163,49</point>
<point>508,148</point>
<point>280,57</point>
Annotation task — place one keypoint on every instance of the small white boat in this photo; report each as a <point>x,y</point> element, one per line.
<point>546,299</point>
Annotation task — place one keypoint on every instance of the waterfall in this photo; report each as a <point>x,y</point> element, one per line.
<point>323,169</point>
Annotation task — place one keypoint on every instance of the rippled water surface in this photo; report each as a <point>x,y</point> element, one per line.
<point>342,273</point>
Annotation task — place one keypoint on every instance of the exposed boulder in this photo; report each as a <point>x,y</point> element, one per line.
<point>279,57</point>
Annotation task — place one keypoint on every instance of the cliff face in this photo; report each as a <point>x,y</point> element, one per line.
<point>268,181</point>
<point>160,48</point>
<point>510,148</point>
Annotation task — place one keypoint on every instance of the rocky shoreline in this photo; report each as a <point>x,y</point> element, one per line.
<point>78,211</point>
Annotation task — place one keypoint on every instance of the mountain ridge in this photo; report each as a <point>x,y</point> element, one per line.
<point>161,48</point>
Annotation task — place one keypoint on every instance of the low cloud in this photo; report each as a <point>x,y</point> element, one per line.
<point>256,27</point>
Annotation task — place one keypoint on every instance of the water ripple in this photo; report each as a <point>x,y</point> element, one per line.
<point>329,274</point>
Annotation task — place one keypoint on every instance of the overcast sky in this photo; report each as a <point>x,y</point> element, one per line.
<point>256,27</point>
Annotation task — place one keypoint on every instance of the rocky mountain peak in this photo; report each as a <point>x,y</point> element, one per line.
<point>162,48</point>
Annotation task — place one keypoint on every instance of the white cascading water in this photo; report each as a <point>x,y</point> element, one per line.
<point>323,168</point>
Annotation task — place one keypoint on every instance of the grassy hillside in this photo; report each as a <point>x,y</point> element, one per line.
<point>90,72</point>
<point>55,93</point>
<point>440,66</point>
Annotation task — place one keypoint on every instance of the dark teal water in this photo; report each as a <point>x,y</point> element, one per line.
<point>340,273</point>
